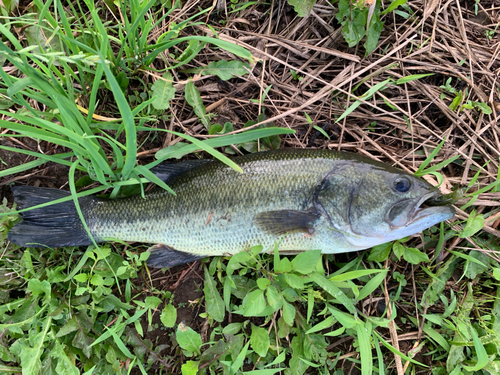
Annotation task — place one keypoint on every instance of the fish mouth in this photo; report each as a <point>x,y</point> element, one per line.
<point>424,209</point>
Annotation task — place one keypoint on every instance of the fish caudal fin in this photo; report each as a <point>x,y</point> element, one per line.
<point>53,226</point>
<point>163,256</point>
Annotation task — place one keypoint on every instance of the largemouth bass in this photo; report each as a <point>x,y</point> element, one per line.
<point>297,199</point>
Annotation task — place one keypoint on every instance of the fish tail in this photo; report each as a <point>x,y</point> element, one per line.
<point>56,225</point>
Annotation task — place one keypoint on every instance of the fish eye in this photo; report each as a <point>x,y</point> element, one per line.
<point>402,185</point>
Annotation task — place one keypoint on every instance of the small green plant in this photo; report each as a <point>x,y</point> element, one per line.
<point>448,88</point>
<point>360,19</point>
<point>295,75</point>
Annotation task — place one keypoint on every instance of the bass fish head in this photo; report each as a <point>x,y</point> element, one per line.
<point>380,203</point>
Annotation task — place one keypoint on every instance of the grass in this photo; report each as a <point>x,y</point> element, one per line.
<point>95,94</point>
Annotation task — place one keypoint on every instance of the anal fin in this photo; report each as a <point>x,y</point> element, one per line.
<point>287,221</point>
<point>164,256</point>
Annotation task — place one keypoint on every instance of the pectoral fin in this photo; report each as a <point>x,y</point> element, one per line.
<point>164,256</point>
<point>287,221</point>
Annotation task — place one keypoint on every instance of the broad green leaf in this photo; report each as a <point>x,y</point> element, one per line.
<point>232,328</point>
<point>259,340</point>
<point>283,266</point>
<point>218,129</point>
<point>169,315</point>
<point>97,280</point>
<point>64,365</point>
<point>302,7</point>
<point>190,368</point>
<point>151,302</point>
<point>274,299</point>
<point>353,21</point>
<point>263,283</point>
<point>256,303</point>
<point>226,69</point>
<point>398,249</point>
<point>456,101</point>
<point>83,342</point>
<point>306,262</point>
<point>38,287</point>
<point>215,305</point>
<point>188,339</point>
<point>163,91</point>
<point>31,356</point>
<point>483,107</point>
<point>380,253</point>
<point>288,313</point>
<point>284,328</point>
<point>475,222</point>
<point>374,30</point>
<point>414,256</point>
<point>477,262</point>
<point>294,281</point>
<point>236,260</point>
<point>82,277</point>
<point>70,326</point>
<point>194,100</point>
<point>496,273</point>
<point>290,295</point>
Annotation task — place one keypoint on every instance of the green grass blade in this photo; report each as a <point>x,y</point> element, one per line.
<point>153,178</point>
<point>395,351</point>
<point>128,121</point>
<point>431,157</point>
<point>482,356</point>
<point>226,140</point>
<point>363,332</point>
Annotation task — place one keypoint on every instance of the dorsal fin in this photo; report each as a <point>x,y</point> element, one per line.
<point>167,172</point>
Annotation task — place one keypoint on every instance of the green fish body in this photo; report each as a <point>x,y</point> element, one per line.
<point>295,199</point>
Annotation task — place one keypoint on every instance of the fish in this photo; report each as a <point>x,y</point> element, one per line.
<point>294,199</point>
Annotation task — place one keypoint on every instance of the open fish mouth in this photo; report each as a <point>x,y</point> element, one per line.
<point>425,208</point>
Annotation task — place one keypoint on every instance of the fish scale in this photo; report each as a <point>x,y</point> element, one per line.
<point>214,206</point>
<point>295,199</point>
